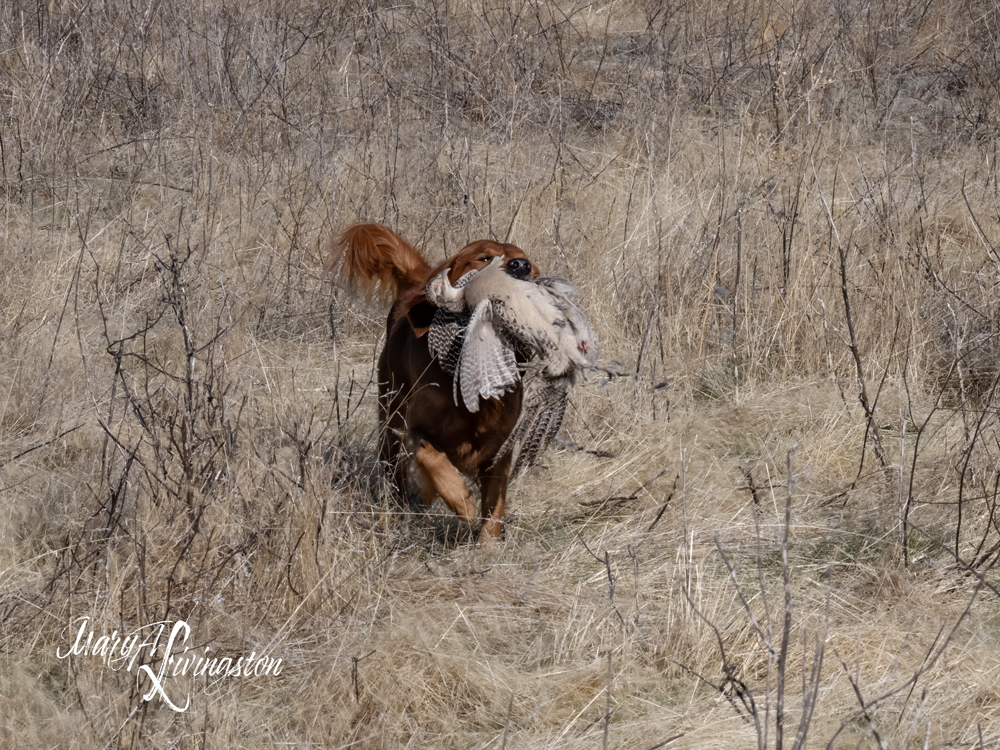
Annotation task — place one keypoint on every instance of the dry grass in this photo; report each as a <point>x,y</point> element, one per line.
<point>187,412</point>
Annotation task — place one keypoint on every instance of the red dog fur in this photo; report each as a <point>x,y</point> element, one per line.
<point>426,436</point>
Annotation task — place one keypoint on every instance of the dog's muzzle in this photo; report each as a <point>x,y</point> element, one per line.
<point>519,268</point>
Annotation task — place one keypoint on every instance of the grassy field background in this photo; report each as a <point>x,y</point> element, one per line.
<point>780,522</point>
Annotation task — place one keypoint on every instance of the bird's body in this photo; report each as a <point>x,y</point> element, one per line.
<point>506,313</point>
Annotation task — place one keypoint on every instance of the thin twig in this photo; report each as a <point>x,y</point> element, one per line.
<point>39,445</point>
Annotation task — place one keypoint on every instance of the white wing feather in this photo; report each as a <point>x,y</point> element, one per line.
<point>487,368</point>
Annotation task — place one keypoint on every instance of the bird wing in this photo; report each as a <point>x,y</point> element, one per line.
<point>446,337</point>
<point>487,367</point>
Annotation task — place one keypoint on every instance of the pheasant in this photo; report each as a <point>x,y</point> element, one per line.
<point>484,319</point>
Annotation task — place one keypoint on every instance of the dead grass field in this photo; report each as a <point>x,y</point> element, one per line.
<point>779,524</point>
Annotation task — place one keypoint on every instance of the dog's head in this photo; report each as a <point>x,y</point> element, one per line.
<point>479,254</point>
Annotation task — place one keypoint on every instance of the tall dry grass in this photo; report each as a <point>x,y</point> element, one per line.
<point>780,525</point>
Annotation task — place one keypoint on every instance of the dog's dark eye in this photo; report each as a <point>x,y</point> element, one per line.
<point>485,259</point>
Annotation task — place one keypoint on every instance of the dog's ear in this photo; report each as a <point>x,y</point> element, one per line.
<point>420,317</point>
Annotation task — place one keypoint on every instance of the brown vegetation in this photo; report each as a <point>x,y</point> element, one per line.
<point>780,524</point>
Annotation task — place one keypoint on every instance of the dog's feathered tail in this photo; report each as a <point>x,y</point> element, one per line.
<point>373,259</point>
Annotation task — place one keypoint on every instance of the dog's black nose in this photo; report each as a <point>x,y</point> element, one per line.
<point>519,268</point>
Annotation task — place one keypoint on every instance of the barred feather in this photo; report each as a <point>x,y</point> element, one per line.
<point>541,417</point>
<point>487,368</point>
<point>447,336</point>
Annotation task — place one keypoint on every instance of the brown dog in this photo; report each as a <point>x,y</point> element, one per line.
<point>426,436</point>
